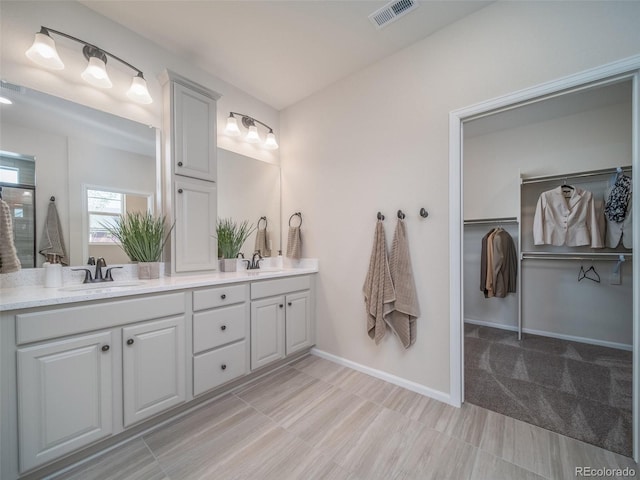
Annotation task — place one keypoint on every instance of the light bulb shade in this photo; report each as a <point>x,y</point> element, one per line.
<point>270,143</point>
<point>232,127</point>
<point>44,53</point>
<point>96,73</point>
<point>252,135</point>
<point>138,91</point>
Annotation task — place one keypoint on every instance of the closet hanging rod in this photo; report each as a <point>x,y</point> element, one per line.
<point>575,256</point>
<point>483,221</point>
<point>591,173</point>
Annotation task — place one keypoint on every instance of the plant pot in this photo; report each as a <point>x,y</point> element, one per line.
<point>148,270</point>
<point>228,265</point>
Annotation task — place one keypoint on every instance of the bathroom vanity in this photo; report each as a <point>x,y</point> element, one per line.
<point>92,367</point>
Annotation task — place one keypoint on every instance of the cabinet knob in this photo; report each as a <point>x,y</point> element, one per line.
<point>179,190</point>
<point>223,366</point>
<point>223,327</point>
<point>223,296</point>
<point>281,305</point>
<point>130,341</point>
<point>289,303</point>
<point>105,348</point>
<point>179,164</point>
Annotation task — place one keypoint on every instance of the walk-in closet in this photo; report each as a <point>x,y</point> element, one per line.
<point>548,329</point>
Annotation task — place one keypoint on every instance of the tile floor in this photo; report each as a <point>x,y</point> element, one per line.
<point>318,420</point>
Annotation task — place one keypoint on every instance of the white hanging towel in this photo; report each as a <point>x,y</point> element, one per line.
<point>9,261</point>
<point>378,287</point>
<point>52,242</point>
<point>406,308</point>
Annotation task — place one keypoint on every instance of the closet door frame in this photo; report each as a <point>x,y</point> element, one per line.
<point>625,69</point>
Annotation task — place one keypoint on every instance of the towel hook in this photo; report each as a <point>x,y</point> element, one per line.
<point>401,215</point>
<point>424,213</point>
<point>297,214</point>
<point>265,222</point>
<point>380,216</point>
<point>52,199</point>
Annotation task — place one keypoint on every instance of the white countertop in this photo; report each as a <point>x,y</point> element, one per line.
<point>38,296</point>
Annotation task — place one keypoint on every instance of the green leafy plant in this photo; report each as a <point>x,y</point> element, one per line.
<point>142,236</point>
<point>232,236</point>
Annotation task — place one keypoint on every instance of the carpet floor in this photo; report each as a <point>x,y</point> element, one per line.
<point>579,390</point>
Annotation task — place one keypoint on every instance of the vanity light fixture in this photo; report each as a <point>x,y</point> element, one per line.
<point>252,134</point>
<point>44,53</point>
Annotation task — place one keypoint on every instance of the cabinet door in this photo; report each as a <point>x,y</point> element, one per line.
<point>267,331</point>
<point>196,248</point>
<point>153,368</point>
<point>195,134</point>
<point>299,328</point>
<point>64,396</point>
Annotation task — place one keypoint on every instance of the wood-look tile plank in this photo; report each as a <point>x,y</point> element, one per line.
<point>436,456</point>
<point>568,453</point>
<point>490,467</point>
<point>363,385</point>
<point>466,423</point>
<point>319,368</point>
<point>431,413</point>
<point>132,461</point>
<point>297,404</point>
<point>518,442</point>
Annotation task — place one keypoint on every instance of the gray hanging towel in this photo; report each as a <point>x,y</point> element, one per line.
<point>294,243</point>
<point>378,287</point>
<point>262,242</point>
<point>52,242</point>
<point>9,261</point>
<point>406,308</point>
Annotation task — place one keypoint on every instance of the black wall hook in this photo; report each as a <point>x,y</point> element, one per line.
<point>297,214</point>
<point>52,199</point>
<point>380,216</point>
<point>401,215</point>
<point>424,213</point>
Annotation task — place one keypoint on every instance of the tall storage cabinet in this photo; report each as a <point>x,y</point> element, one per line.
<point>189,174</point>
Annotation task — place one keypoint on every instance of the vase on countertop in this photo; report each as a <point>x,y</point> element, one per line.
<point>228,265</point>
<point>148,270</point>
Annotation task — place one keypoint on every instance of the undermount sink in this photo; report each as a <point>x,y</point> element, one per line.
<point>100,286</point>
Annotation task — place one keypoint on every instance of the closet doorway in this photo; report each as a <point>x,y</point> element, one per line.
<point>571,371</point>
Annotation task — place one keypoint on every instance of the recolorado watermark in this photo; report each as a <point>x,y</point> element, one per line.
<point>605,472</point>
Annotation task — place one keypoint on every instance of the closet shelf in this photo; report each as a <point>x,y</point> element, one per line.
<point>588,173</point>
<point>608,256</point>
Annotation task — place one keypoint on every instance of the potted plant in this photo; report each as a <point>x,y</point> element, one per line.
<point>231,237</point>
<point>142,236</point>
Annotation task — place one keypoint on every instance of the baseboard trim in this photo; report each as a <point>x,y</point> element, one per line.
<point>543,333</point>
<point>387,377</point>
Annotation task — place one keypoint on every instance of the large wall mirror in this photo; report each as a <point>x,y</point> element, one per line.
<point>97,165</point>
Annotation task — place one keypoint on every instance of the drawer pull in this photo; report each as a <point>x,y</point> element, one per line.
<point>281,305</point>
<point>105,348</point>
<point>179,164</point>
<point>130,341</point>
<point>289,303</point>
<point>223,366</point>
<point>223,296</point>
<point>223,327</point>
<point>180,190</point>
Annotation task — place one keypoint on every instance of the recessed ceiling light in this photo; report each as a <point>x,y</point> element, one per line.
<point>5,101</point>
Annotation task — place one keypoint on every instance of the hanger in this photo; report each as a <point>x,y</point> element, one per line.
<point>594,277</point>
<point>565,185</point>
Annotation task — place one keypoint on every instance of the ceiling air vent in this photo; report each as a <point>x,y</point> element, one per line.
<point>391,12</point>
<point>11,86</point>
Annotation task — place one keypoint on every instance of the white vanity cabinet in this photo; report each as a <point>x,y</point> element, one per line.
<point>282,321</point>
<point>220,336</point>
<point>64,395</point>
<point>75,388</point>
<point>189,174</point>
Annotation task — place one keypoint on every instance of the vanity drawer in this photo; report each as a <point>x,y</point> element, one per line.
<point>281,286</point>
<point>219,326</point>
<point>219,366</point>
<point>43,325</point>
<point>219,296</point>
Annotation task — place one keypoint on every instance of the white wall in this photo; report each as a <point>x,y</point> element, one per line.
<point>20,20</point>
<point>378,140</point>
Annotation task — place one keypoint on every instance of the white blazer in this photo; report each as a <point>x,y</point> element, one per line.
<point>566,221</point>
<point>622,230</point>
